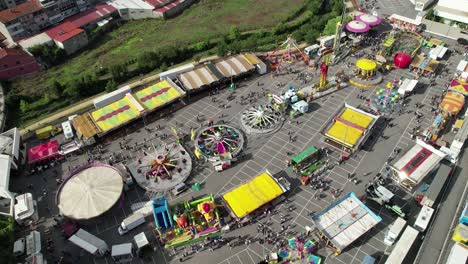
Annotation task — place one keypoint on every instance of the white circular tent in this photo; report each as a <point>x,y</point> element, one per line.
<point>90,191</point>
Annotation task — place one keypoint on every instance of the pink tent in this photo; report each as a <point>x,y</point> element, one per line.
<point>43,151</point>
<point>357,26</point>
<point>369,19</point>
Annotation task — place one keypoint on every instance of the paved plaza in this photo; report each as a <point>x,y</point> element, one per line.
<point>262,152</point>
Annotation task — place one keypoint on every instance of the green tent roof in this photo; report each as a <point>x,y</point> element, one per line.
<point>304,154</point>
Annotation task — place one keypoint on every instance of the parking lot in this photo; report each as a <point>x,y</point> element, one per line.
<point>264,152</point>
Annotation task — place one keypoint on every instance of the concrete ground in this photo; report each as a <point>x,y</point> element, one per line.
<point>267,152</point>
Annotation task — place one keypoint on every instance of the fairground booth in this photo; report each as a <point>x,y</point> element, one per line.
<point>405,23</point>
<point>44,153</point>
<point>423,65</point>
<point>246,198</point>
<point>415,164</point>
<point>344,221</point>
<point>350,128</point>
<point>120,109</point>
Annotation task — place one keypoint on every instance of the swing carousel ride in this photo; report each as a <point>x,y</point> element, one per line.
<point>261,119</point>
<point>161,168</point>
<point>219,142</point>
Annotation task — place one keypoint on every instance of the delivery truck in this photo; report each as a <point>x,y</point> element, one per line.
<point>89,242</point>
<point>440,178</point>
<point>131,222</point>
<point>394,231</point>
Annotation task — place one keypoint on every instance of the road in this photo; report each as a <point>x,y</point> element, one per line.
<point>438,238</point>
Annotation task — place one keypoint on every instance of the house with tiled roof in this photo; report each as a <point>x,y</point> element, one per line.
<point>15,62</point>
<point>68,37</point>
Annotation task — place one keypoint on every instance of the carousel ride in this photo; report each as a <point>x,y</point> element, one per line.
<point>366,74</point>
<point>261,119</point>
<point>219,142</point>
<point>161,168</point>
<point>297,250</point>
<point>286,54</point>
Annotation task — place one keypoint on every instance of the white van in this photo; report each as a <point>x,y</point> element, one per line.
<point>122,253</point>
<point>67,130</point>
<point>180,188</point>
<point>312,51</point>
<point>423,219</point>
<point>394,231</point>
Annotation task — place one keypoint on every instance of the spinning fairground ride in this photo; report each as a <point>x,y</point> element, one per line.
<point>219,142</point>
<point>286,54</point>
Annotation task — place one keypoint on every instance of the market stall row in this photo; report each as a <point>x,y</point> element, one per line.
<point>122,106</point>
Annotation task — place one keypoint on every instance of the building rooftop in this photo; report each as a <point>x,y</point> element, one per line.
<point>19,10</point>
<point>92,15</point>
<point>63,31</point>
<point>11,52</point>
<point>131,4</point>
<point>35,40</point>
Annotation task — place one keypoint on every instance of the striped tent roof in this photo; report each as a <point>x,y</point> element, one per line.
<point>452,102</point>
<point>459,86</point>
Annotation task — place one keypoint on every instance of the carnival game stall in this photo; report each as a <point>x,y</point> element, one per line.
<point>186,222</point>
<point>89,191</point>
<point>344,221</point>
<point>244,200</point>
<point>350,128</point>
<point>407,87</point>
<point>449,107</point>
<point>405,23</point>
<point>415,164</point>
<point>422,65</point>
<point>117,114</point>
<point>158,95</point>
<point>43,153</point>
<point>199,78</point>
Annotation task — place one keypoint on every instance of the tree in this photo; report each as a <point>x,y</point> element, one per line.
<point>330,27</point>
<point>316,6</point>
<point>221,50</point>
<point>234,33</point>
<point>111,85</point>
<point>56,90</point>
<point>119,72</point>
<point>24,106</point>
<point>311,36</point>
<point>73,88</point>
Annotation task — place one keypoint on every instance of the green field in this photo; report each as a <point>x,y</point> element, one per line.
<point>204,20</point>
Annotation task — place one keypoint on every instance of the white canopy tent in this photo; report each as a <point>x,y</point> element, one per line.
<point>90,192</point>
<point>407,87</point>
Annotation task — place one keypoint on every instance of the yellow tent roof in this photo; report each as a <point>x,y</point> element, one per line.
<point>251,195</point>
<point>357,118</point>
<point>366,64</point>
<point>344,134</point>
